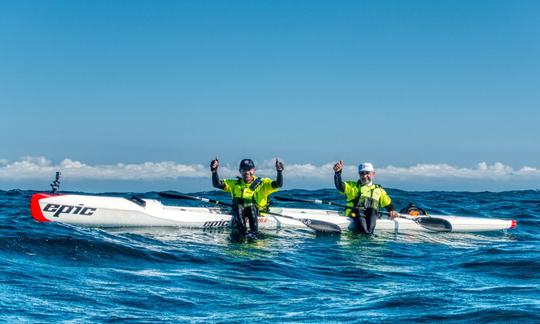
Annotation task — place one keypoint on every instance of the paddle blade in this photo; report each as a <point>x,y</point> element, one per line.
<point>435,224</point>
<point>321,226</point>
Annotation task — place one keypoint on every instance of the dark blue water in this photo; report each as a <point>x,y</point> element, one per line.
<point>53,272</point>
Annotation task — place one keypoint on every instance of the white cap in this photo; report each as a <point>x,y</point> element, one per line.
<point>366,167</point>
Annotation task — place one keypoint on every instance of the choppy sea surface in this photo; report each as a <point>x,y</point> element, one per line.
<point>55,272</point>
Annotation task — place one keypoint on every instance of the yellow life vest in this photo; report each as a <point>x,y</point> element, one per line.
<point>365,196</point>
<point>256,192</point>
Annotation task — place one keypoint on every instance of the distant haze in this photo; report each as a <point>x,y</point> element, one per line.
<point>37,172</point>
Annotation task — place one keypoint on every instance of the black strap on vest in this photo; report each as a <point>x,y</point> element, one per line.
<point>254,185</point>
<point>356,199</point>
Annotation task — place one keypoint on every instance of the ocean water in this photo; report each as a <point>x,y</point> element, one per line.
<point>54,272</point>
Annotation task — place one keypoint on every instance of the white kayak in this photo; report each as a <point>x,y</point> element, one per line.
<point>100,211</point>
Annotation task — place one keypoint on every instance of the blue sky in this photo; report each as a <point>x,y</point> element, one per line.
<point>398,83</point>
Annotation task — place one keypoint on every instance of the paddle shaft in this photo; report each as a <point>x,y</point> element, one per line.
<point>434,224</point>
<point>314,224</point>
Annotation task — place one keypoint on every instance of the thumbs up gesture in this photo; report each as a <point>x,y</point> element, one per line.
<point>214,165</point>
<point>338,167</point>
<point>279,166</point>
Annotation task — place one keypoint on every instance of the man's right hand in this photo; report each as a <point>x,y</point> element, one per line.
<point>214,165</point>
<point>338,166</point>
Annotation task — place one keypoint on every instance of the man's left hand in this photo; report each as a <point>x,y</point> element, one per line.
<point>279,166</point>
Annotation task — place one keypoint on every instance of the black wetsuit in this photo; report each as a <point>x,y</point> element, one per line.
<point>241,210</point>
<point>365,219</point>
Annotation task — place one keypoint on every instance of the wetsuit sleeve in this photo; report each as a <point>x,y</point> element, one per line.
<point>386,202</point>
<point>279,180</point>
<point>340,185</point>
<point>216,182</point>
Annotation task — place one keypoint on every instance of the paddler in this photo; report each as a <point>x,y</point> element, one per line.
<point>249,193</point>
<point>364,198</point>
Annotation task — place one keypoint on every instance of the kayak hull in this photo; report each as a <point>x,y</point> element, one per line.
<point>100,211</point>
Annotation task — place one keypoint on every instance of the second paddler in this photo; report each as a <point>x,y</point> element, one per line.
<point>249,193</point>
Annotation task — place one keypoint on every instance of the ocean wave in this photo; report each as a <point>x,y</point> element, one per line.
<point>156,274</point>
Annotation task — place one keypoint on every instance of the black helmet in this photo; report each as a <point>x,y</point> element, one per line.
<point>246,164</point>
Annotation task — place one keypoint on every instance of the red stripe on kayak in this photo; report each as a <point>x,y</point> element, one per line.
<point>514,223</point>
<point>35,209</point>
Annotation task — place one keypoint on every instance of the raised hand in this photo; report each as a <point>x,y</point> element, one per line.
<point>338,166</point>
<point>279,166</point>
<point>214,165</point>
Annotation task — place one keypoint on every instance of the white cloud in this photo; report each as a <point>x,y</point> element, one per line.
<point>481,171</point>
<point>30,168</point>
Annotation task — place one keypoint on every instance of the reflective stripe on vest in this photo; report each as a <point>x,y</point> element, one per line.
<point>362,201</point>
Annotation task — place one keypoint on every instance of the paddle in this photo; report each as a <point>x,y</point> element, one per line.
<point>314,224</point>
<point>428,222</point>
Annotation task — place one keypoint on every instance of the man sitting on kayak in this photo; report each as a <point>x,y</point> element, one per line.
<point>249,193</point>
<point>364,198</point>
